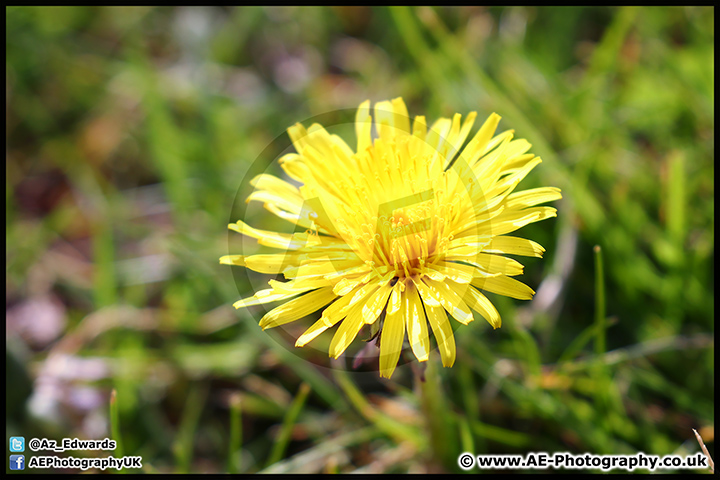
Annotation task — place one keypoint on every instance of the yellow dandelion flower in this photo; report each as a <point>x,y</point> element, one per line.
<point>401,231</point>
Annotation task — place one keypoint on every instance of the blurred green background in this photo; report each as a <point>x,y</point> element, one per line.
<point>130,130</point>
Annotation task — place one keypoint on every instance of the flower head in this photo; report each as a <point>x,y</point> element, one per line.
<point>399,232</point>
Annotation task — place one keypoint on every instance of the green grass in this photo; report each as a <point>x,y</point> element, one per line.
<point>130,132</point>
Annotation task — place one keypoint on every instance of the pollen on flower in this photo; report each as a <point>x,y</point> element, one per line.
<point>409,227</point>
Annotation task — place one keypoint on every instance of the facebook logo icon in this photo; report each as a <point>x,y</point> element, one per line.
<point>17,462</point>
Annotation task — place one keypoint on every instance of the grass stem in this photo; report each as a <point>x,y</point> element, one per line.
<point>279,447</point>
<point>234,455</point>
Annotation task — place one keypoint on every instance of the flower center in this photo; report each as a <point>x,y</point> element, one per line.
<point>400,210</point>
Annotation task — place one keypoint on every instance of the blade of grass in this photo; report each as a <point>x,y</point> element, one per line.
<point>676,198</point>
<point>599,302</point>
<point>467,386</point>
<point>421,51</point>
<point>439,424</point>
<point>704,450</point>
<point>600,371</point>
<point>323,387</point>
<point>279,447</point>
<point>391,427</point>
<point>610,410</point>
<point>183,445</point>
<point>471,407</point>
<point>466,437</point>
<point>604,57</point>
<point>579,342</point>
<point>166,142</point>
<point>645,349</point>
<point>307,461</point>
<point>527,349</point>
<point>496,434</point>
<point>537,403</point>
<point>234,455</point>
<point>103,261</point>
<point>115,427</point>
